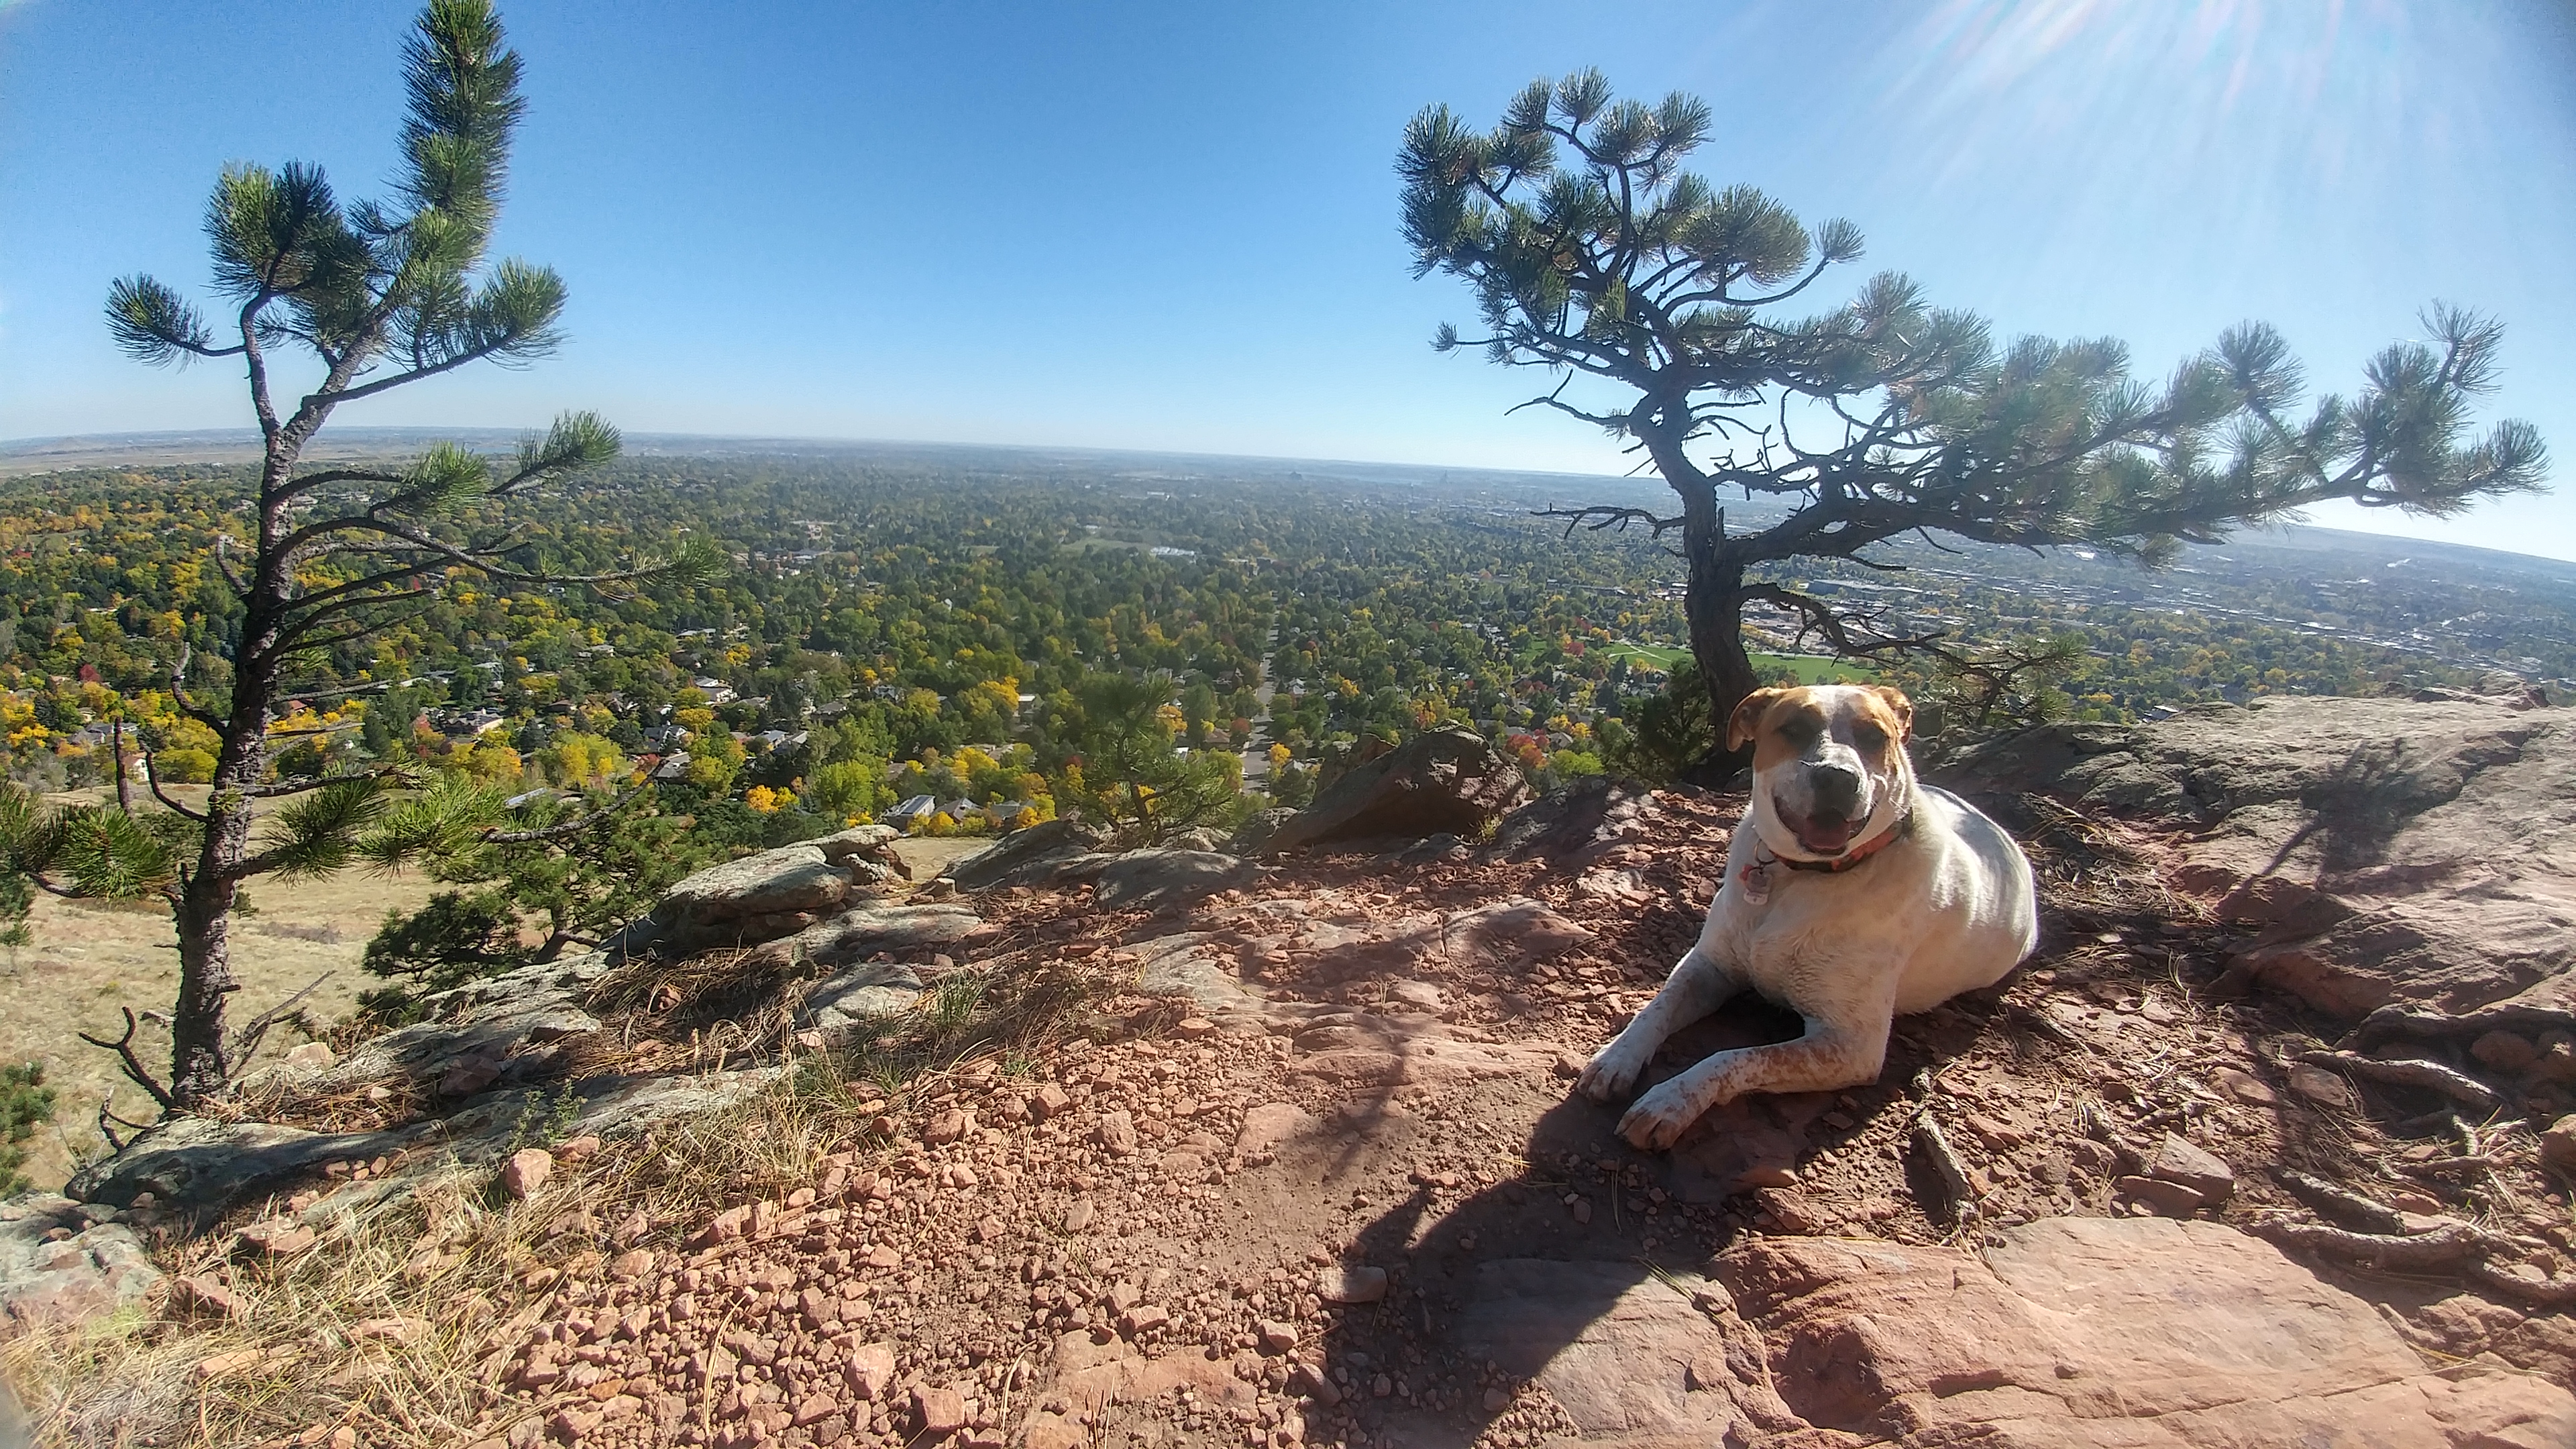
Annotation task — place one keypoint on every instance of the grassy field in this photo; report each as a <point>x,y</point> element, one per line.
<point>1809,668</point>
<point>1650,656</point>
<point>91,958</point>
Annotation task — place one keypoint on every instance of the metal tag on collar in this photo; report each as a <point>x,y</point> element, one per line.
<point>1754,880</point>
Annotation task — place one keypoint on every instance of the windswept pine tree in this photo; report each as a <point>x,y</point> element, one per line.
<point>1666,309</point>
<point>380,294</point>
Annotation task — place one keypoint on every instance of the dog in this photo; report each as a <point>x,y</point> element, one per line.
<point>1852,895</point>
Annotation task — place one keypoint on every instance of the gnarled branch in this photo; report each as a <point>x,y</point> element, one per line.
<point>135,1071</point>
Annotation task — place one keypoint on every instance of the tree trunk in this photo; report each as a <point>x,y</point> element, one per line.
<point>116,747</point>
<point>1713,600</point>
<point>198,1065</point>
<point>1713,606</point>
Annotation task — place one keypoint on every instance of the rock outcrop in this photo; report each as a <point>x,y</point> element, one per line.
<point>1045,851</point>
<point>1164,880</point>
<point>2409,862</point>
<point>1298,1164</point>
<point>1443,782</point>
<point>776,892</point>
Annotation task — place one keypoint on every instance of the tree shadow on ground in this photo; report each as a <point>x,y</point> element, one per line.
<point>1574,1270</point>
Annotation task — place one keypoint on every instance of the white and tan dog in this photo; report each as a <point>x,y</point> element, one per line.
<point>1852,894</point>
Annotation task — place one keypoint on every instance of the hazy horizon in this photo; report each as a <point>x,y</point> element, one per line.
<point>355,440</point>
<point>1165,228</point>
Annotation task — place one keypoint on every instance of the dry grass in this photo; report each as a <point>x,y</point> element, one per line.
<point>400,1323</point>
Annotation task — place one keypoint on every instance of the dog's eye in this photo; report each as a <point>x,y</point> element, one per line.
<point>1799,731</point>
<point>1869,737</point>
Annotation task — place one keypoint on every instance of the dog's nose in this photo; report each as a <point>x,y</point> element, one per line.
<point>1836,790</point>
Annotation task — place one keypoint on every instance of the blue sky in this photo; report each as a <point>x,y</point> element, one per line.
<point>1173,226</point>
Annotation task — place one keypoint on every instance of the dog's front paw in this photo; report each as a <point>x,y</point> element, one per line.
<point>1611,1072</point>
<point>1659,1119</point>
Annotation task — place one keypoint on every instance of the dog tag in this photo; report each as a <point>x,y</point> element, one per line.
<point>1755,882</point>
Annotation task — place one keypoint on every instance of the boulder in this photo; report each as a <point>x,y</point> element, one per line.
<point>1166,880</point>
<point>858,994</point>
<point>867,845</point>
<point>2558,1144</point>
<point>775,892</point>
<point>869,930</point>
<point>2395,860</point>
<point>790,878</point>
<point>94,1268</point>
<point>1575,825</point>
<point>1197,837</point>
<point>1444,780</point>
<point>1029,857</point>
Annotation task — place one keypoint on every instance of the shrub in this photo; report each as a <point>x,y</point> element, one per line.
<point>184,767</point>
<point>26,1103</point>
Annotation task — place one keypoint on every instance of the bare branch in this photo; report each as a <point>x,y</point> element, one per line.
<point>246,1041</point>
<point>134,1069</point>
<point>179,694</point>
<point>152,777</point>
<point>1598,516</point>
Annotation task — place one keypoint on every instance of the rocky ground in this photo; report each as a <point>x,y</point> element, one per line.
<point>1283,1152</point>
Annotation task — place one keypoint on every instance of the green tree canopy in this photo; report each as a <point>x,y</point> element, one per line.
<point>1668,311</point>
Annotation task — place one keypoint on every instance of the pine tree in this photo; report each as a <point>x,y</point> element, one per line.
<point>382,294</point>
<point>1594,255</point>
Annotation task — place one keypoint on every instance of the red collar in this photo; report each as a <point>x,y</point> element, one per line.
<point>1903,827</point>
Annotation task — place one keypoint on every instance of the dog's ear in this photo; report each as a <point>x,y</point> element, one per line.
<point>1747,719</point>
<point>1901,707</point>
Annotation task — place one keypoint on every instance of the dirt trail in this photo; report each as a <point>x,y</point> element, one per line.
<point>1381,1220</point>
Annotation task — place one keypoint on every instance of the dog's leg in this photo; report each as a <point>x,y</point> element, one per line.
<point>1700,984</point>
<point>1828,1056</point>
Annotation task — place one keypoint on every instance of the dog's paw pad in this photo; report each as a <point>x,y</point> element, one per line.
<point>1606,1077</point>
<point>1657,1121</point>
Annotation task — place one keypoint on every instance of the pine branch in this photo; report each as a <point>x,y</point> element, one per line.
<point>566,828</point>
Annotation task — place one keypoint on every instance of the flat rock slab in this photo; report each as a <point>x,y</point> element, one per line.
<point>859,993</point>
<point>1616,1347</point>
<point>2118,1331</point>
<point>204,1167</point>
<point>858,934</point>
<point>1520,932</point>
<point>2394,855</point>
<point>1176,966</point>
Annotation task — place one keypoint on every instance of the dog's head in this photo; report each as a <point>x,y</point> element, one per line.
<point>1829,764</point>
